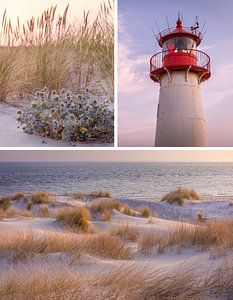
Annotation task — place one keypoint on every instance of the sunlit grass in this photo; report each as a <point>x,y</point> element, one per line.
<point>54,52</point>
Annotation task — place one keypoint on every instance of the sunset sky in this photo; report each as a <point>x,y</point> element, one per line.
<point>138,95</point>
<point>116,155</point>
<point>25,9</point>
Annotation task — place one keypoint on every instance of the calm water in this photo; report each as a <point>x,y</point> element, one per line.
<point>123,179</point>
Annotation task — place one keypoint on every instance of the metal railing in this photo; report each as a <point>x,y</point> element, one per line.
<point>199,59</point>
<point>174,29</point>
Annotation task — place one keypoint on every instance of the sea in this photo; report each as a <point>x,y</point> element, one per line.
<point>124,180</point>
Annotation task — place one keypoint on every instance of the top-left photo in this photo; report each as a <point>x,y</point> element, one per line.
<point>57,73</point>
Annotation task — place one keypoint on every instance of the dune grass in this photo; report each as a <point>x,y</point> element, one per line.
<point>75,217</point>
<point>5,202</point>
<point>180,195</point>
<point>145,212</point>
<point>122,282</point>
<point>126,232</point>
<point>40,198</point>
<point>55,52</point>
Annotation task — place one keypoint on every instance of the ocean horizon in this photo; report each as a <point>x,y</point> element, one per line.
<point>124,179</point>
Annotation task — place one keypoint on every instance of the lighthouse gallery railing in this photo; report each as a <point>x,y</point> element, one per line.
<point>202,60</point>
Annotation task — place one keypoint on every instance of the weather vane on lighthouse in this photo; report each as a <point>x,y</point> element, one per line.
<point>180,69</point>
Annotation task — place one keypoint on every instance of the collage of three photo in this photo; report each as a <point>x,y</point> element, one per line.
<point>116,150</point>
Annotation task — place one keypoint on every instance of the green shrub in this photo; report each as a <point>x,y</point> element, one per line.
<point>180,195</point>
<point>75,217</point>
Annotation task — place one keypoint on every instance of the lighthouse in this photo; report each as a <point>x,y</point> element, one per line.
<point>180,70</point>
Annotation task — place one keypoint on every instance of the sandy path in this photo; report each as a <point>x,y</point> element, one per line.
<point>12,136</point>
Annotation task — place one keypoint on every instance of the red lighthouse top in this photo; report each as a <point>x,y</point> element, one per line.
<point>180,52</point>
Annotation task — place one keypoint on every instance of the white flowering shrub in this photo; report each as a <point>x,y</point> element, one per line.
<point>66,116</point>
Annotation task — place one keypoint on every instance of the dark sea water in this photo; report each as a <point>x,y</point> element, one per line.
<point>123,179</point>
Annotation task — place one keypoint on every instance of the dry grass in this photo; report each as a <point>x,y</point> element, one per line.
<point>54,52</point>
<point>75,217</point>
<point>145,212</point>
<point>180,195</point>
<point>44,210</point>
<point>151,242</point>
<point>126,232</point>
<point>26,244</point>
<point>106,215</point>
<point>105,245</point>
<point>29,205</point>
<point>118,283</point>
<point>19,196</point>
<point>217,236</point>
<point>5,202</point>
<point>101,194</point>
<point>40,198</point>
<point>101,206</point>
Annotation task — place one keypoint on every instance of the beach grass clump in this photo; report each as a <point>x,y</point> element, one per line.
<point>40,198</point>
<point>63,115</point>
<point>75,217</point>
<point>56,52</point>
<point>101,206</point>
<point>149,242</point>
<point>18,196</point>
<point>5,202</point>
<point>180,195</point>
<point>29,205</point>
<point>106,215</point>
<point>145,212</point>
<point>44,210</point>
<point>101,194</point>
<point>106,245</point>
<point>126,232</point>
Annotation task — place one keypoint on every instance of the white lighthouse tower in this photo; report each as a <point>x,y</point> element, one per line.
<point>180,69</point>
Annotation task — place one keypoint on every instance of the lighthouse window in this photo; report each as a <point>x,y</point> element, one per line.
<point>179,44</point>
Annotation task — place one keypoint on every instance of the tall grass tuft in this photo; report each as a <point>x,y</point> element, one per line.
<point>55,52</point>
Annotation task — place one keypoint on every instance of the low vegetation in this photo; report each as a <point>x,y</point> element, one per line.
<point>106,215</point>
<point>55,52</point>
<point>5,202</point>
<point>126,232</point>
<point>180,195</point>
<point>145,212</point>
<point>40,198</point>
<point>101,206</point>
<point>101,194</point>
<point>19,196</point>
<point>75,217</point>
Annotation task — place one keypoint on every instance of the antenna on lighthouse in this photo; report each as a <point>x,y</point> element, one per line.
<point>168,24</point>
<point>203,26</point>
<point>158,28</point>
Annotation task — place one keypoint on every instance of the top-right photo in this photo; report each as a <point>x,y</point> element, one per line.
<point>175,65</point>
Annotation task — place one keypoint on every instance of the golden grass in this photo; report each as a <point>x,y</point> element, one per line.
<point>145,212</point>
<point>75,217</point>
<point>101,194</point>
<point>54,52</point>
<point>216,236</point>
<point>126,232</point>
<point>100,206</point>
<point>19,196</point>
<point>118,283</point>
<point>40,198</point>
<point>5,202</point>
<point>44,210</point>
<point>180,195</point>
<point>106,215</point>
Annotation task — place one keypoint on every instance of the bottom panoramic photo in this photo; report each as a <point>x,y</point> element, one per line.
<point>116,224</point>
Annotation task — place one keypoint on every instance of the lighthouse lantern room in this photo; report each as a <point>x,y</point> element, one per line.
<point>180,69</point>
